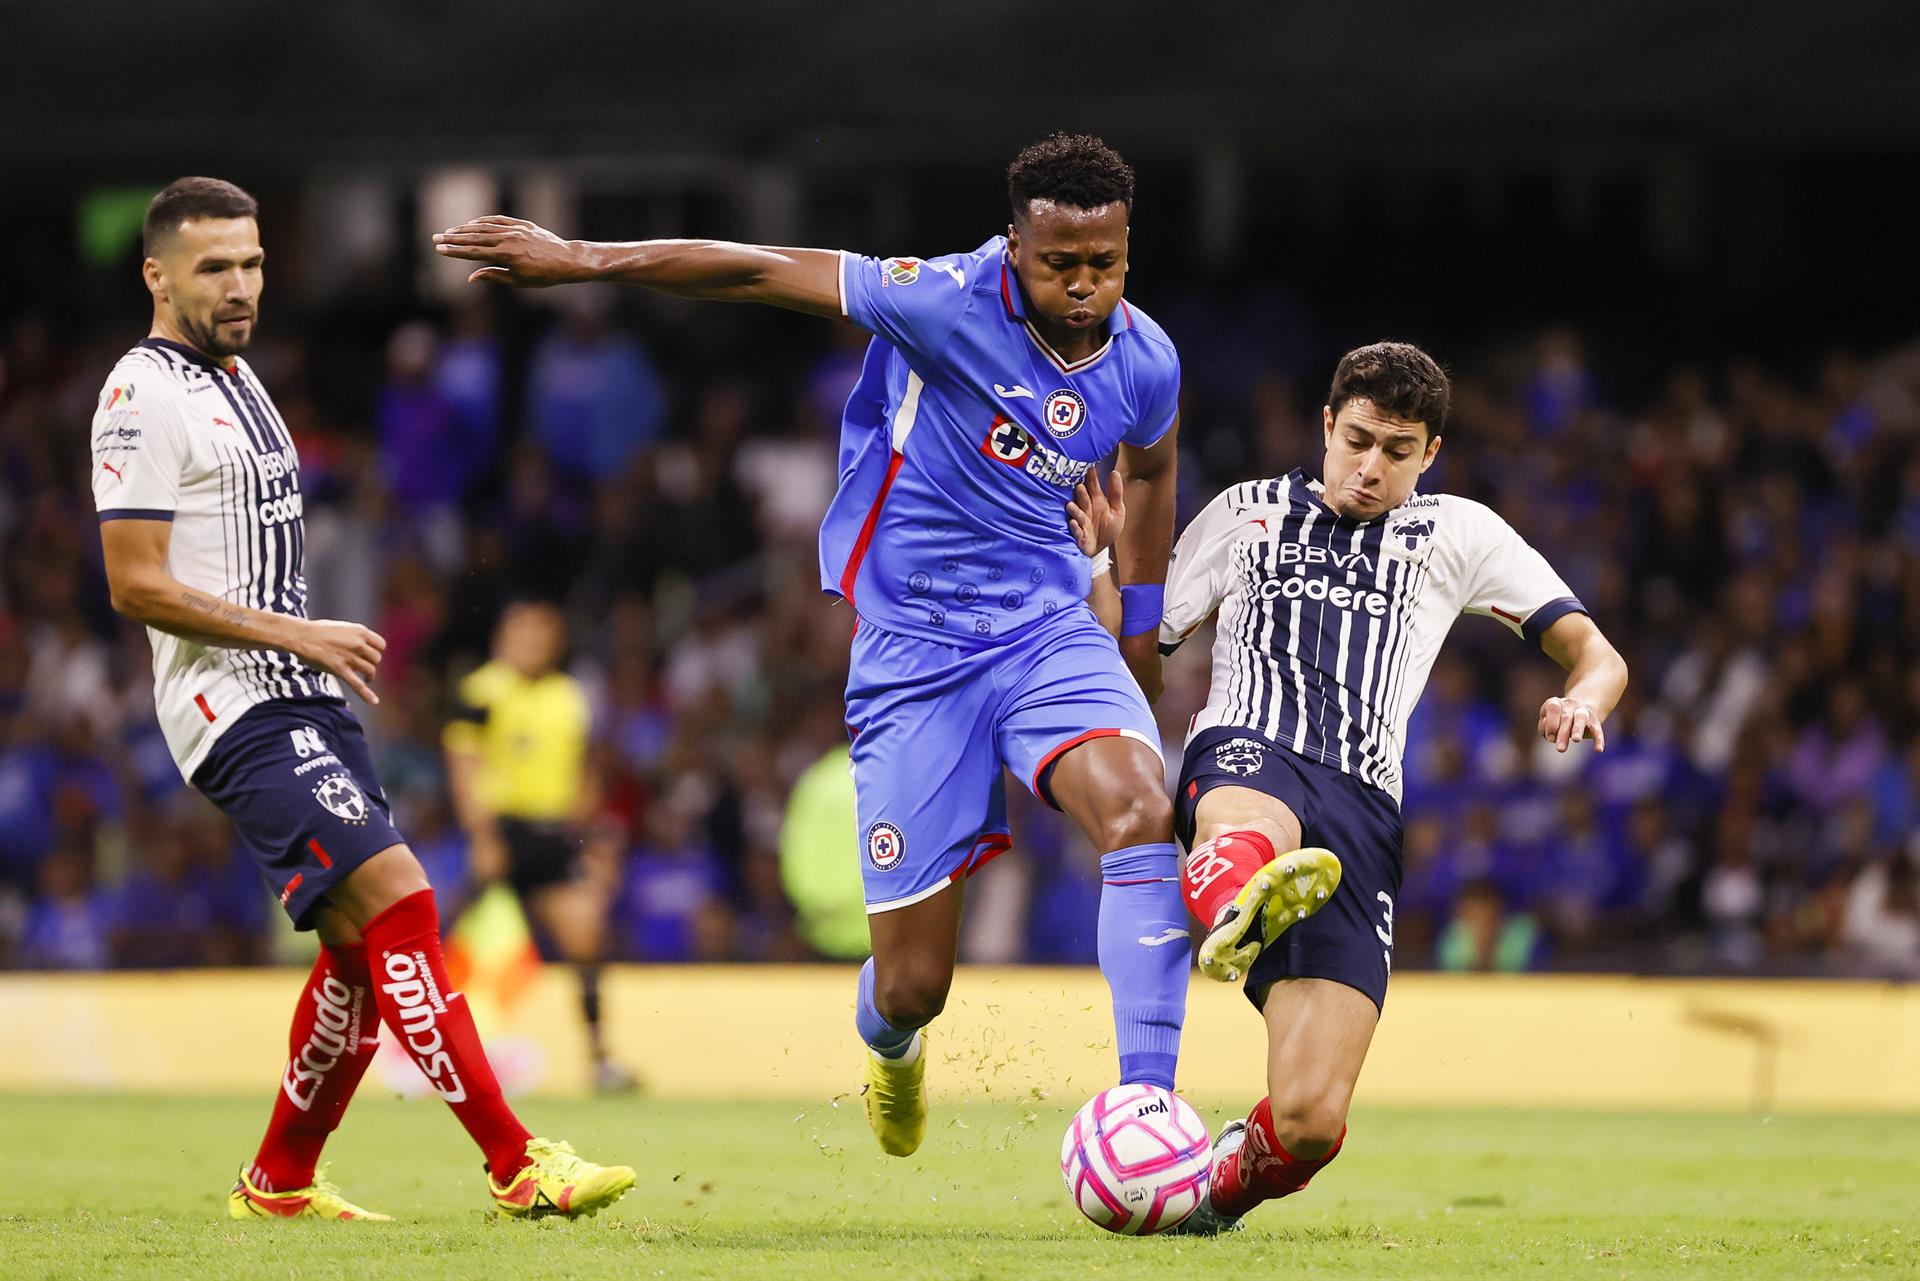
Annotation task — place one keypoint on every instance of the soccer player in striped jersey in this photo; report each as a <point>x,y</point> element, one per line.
<point>1334,596</point>
<point>198,488</point>
<point>996,379</point>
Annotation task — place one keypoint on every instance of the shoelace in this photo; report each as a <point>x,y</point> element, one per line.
<point>559,1157</point>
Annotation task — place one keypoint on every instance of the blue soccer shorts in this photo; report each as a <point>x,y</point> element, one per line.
<point>934,726</point>
<point>295,779</point>
<point>1350,939</point>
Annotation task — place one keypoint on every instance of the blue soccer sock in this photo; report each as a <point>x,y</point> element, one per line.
<point>1145,955</point>
<point>884,1037</point>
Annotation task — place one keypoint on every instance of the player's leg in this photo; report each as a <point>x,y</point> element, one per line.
<point>570,908</point>
<point>1075,726</point>
<point>334,1037</point>
<point>924,773</point>
<point>1245,877</point>
<point>1318,1033</point>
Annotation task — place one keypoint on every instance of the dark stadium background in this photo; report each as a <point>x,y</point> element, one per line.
<point>1667,251</point>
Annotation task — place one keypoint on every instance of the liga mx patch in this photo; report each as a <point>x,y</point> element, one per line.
<point>901,271</point>
<point>885,847</point>
<point>1065,412</point>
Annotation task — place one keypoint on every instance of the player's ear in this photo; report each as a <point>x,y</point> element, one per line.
<point>1326,423</point>
<point>1013,241</point>
<point>1433,450</point>
<point>156,279</point>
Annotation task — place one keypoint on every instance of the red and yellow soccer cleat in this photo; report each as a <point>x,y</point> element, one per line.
<point>555,1181</point>
<point>1283,893</point>
<point>320,1200</point>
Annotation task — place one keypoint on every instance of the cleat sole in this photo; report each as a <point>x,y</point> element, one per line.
<point>1280,895</point>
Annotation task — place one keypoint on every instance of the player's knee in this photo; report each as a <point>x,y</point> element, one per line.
<point>1310,1117</point>
<point>911,998</point>
<point>1144,818</point>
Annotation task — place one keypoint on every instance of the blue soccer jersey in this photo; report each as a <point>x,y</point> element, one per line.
<point>962,444</point>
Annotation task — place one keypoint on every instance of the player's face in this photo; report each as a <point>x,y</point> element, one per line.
<point>1071,262</point>
<point>1373,459</point>
<point>208,275</point>
<point>532,638</point>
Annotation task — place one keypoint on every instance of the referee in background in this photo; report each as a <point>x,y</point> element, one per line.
<point>517,766</point>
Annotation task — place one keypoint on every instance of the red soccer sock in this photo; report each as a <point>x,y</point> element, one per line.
<point>335,1033</point>
<point>1262,1169</point>
<point>436,1029</point>
<point>1216,870</point>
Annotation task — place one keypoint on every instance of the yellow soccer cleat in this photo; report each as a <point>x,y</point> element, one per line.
<point>1286,891</point>
<point>555,1181</point>
<point>321,1200</point>
<point>896,1098</point>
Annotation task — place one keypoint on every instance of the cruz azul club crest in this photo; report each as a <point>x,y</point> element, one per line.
<point>1065,412</point>
<point>885,846</point>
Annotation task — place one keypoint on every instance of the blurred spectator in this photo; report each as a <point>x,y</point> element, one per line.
<point>594,400</point>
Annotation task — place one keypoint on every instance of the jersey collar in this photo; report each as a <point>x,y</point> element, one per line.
<point>1314,490</point>
<point>1014,299</point>
<point>197,357</point>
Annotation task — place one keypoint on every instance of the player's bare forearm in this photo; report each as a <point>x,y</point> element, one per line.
<point>1104,600</point>
<point>166,604</point>
<point>1140,556</point>
<point>1596,679</point>
<point>516,252</point>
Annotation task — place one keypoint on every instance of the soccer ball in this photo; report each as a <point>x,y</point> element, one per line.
<point>1136,1159</point>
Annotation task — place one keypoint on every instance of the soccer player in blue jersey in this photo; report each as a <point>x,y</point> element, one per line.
<point>995,381</point>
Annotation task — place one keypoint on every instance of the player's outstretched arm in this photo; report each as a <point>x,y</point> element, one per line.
<point>1140,555</point>
<point>143,590</point>
<point>517,252</point>
<point>1596,678</point>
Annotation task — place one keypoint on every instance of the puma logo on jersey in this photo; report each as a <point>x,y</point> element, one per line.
<point>1014,392</point>
<point>117,475</point>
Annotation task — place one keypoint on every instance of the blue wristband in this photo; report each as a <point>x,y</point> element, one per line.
<point>1141,605</point>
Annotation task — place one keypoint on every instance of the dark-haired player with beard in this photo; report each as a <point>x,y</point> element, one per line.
<point>198,488</point>
<point>1334,596</point>
<point>995,381</point>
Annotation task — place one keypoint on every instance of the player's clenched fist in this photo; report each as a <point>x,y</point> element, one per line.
<point>1565,721</point>
<point>517,252</point>
<point>348,650</point>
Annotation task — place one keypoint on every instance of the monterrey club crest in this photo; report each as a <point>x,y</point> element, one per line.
<point>339,796</point>
<point>902,271</point>
<point>885,847</point>
<point>1065,412</point>
<point>1241,756</point>
<point>1007,442</point>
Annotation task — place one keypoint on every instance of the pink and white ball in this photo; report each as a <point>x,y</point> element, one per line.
<point>1136,1159</point>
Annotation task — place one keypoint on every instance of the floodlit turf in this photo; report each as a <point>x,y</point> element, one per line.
<point>108,1187</point>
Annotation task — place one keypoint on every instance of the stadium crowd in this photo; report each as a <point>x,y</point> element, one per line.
<point>1748,536</point>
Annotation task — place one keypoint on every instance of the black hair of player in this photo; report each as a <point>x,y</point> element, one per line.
<point>189,200</point>
<point>1075,169</point>
<point>1399,379</point>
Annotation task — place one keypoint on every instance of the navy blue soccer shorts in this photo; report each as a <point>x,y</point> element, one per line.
<point>295,778</point>
<point>1350,940</point>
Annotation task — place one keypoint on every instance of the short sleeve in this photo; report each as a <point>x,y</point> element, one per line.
<point>1159,408</point>
<point>1513,583</point>
<point>467,722</point>
<point>138,448</point>
<point>1197,575</point>
<point>913,303</point>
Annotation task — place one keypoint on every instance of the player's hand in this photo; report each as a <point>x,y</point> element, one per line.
<point>487,856</point>
<point>1097,514</point>
<point>1565,721</point>
<point>347,650</point>
<point>517,252</point>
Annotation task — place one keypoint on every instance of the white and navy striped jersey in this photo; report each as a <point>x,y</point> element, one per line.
<point>181,438</point>
<point>1329,626</point>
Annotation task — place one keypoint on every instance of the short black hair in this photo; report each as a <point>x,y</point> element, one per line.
<point>1401,381</point>
<point>1074,169</point>
<point>188,199</point>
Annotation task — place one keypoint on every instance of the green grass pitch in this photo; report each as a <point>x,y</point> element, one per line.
<point>110,1187</point>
